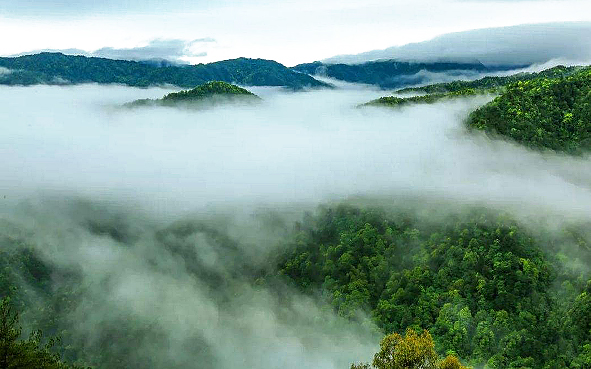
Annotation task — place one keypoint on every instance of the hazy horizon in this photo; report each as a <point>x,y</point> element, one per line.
<point>199,32</point>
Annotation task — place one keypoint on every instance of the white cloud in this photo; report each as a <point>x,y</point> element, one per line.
<point>150,166</point>
<point>277,152</point>
<point>288,32</point>
<point>525,44</point>
<point>172,50</point>
<point>178,51</point>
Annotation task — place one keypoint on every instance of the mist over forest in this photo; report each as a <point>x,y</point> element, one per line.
<point>198,190</point>
<point>159,228</point>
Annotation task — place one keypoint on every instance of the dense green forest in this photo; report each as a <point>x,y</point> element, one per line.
<point>542,113</point>
<point>211,93</point>
<point>49,295</point>
<point>546,110</point>
<point>487,85</point>
<point>395,101</point>
<point>491,82</point>
<point>444,287</point>
<point>486,288</point>
<point>57,68</point>
<point>17,353</point>
<point>394,73</point>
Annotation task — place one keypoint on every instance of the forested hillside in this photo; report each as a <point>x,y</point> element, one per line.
<point>50,296</point>
<point>486,288</point>
<point>24,353</point>
<point>392,73</point>
<point>542,113</point>
<point>395,101</point>
<point>457,89</point>
<point>57,68</point>
<point>491,82</point>
<point>447,286</point>
<point>208,94</point>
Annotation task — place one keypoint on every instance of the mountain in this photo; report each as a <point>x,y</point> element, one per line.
<point>393,73</point>
<point>395,101</point>
<point>484,285</point>
<point>210,93</point>
<point>57,68</point>
<point>542,113</point>
<point>492,82</point>
<point>457,89</point>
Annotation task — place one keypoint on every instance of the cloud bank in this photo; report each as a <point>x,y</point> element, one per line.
<point>176,294</point>
<point>174,50</point>
<point>171,50</point>
<point>77,141</point>
<point>516,45</point>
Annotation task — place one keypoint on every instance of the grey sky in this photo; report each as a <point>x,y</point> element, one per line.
<point>65,8</point>
<point>287,31</point>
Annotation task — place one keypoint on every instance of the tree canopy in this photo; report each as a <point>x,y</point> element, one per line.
<point>543,113</point>
<point>207,94</point>
<point>57,68</point>
<point>480,283</point>
<point>17,353</point>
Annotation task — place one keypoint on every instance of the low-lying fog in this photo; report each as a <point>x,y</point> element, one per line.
<point>296,147</point>
<point>296,150</point>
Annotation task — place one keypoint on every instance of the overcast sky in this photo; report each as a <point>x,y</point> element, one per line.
<point>290,32</point>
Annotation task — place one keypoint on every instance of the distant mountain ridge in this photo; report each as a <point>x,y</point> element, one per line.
<point>394,73</point>
<point>457,89</point>
<point>58,68</point>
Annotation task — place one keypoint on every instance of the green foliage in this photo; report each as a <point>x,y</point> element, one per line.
<point>208,89</point>
<point>210,93</point>
<point>57,68</point>
<point>487,85</point>
<point>392,73</point>
<point>393,101</point>
<point>477,281</point>
<point>493,83</point>
<point>16,353</point>
<point>411,351</point>
<point>542,113</point>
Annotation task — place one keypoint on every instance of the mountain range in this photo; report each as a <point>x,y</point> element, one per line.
<point>395,73</point>
<point>57,68</point>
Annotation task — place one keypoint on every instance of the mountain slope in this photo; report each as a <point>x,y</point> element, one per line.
<point>493,82</point>
<point>57,68</point>
<point>457,89</point>
<point>395,101</point>
<point>482,284</point>
<point>211,93</point>
<point>391,73</point>
<point>542,113</point>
